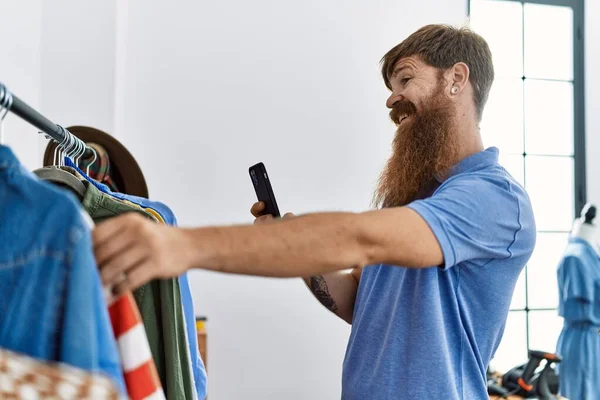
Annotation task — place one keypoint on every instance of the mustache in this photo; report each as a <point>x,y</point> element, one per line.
<point>401,109</point>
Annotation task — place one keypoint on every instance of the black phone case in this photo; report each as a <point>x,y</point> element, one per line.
<point>263,189</point>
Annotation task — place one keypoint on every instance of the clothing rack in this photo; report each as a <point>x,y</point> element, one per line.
<point>15,105</point>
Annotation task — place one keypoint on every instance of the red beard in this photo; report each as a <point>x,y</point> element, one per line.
<point>424,149</point>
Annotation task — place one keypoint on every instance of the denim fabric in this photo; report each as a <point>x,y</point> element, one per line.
<point>168,216</point>
<point>52,306</point>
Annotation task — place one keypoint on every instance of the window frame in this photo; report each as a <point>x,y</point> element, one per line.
<point>579,156</point>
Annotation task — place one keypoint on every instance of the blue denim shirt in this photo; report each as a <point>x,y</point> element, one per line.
<point>52,306</point>
<point>168,216</point>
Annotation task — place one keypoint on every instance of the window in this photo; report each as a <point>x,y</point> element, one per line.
<point>535,116</point>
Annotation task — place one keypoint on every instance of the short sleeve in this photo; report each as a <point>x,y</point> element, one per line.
<point>478,217</point>
<point>574,282</point>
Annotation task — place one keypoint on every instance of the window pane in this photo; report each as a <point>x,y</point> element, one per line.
<point>549,117</point>
<point>518,299</point>
<point>548,42</point>
<point>490,19</point>
<point>502,122</point>
<point>515,165</point>
<point>544,330</point>
<point>549,182</point>
<point>541,269</point>
<point>513,348</point>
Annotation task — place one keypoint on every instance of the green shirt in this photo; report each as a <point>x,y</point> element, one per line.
<point>160,306</point>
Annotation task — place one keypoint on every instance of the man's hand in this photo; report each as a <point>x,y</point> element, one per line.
<point>132,250</point>
<point>336,291</point>
<point>257,211</point>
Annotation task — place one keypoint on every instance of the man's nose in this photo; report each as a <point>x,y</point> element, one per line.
<point>393,99</point>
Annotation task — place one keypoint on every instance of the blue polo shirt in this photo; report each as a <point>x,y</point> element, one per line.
<point>430,333</point>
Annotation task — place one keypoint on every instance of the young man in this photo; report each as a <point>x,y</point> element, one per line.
<point>433,268</point>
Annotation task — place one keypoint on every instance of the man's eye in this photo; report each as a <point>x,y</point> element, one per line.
<point>404,81</point>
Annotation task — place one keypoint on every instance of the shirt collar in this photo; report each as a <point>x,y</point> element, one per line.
<point>485,157</point>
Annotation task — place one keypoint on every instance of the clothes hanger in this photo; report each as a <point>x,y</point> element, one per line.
<point>87,169</point>
<point>55,174</point>
<point>5,105</point>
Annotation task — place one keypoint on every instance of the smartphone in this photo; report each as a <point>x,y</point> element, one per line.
<point>263,189</point>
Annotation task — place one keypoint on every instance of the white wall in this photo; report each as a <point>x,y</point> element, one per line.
<point>210,88</point>
<point>62,61</point>
<point>198,91</point>
<point>78,62</point>
<point>22,22</point>
<point>592,98</point>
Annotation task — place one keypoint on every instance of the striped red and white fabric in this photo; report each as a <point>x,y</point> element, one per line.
<point>141,377</point>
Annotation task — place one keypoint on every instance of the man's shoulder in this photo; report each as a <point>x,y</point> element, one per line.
<point>505,200</point>
<point>491,192</point>
<point>493,181</point>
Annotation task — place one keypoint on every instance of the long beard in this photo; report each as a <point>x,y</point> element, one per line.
<point>424,149</point>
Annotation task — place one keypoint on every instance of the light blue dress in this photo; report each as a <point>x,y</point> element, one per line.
<point>579,305</point>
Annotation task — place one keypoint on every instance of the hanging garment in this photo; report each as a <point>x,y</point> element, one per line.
<point>160,305</point>
<point>199,370</point>
<point>52,306</point>
<point>140,373</point>
<point>25,378</point>
<point>579,305</point>
<point>141,377</point>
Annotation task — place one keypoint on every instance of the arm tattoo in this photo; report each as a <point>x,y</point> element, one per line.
<point>319,288</point>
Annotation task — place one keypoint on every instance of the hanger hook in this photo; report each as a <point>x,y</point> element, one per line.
<point>57,151</point>
<point>76,149</point>
<point>6,101</point>
<point>65,145</point>
<point>78,152</point>
<point>87,170</point>
<point>81,151</point>
<point>2,92</point>
<point>58,148</point>
<point>72,146</point>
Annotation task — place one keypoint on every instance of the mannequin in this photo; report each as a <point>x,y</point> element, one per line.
<point>578,275</point>
<point>585,229</point>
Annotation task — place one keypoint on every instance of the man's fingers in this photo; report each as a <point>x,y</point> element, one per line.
<point>288,215</point>
<point>122,263</point>
<point>135,278</point>
<point>106,233</point>
<point>106,230</point>
<point>263,218</point>
<point>112,247</point>
<point>143,273</point>
<point>257,209</point>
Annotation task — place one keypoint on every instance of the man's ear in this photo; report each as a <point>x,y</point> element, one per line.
<point>459,77</point>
